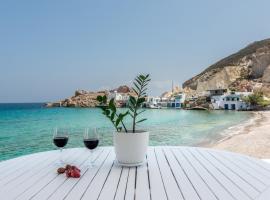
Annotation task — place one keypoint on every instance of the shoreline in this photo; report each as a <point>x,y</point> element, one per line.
<point>251,137</point>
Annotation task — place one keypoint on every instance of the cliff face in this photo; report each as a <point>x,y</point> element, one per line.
<point>247,69</point>
<point>81,99</point>
<point>86,99</point>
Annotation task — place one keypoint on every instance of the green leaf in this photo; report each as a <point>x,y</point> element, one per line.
<point>107,112</point>
<point>141,120</point>
<point>140,100</point>
<point>104,99</point>
<point>138,80</point>
<point>112,105</point>
<point>118,120</point>
<point>135,91</point>
<point>112,116</point>
<point>125,114</point>
<point>99,99</point>
<point>132,100</point>
<point>136,86</point>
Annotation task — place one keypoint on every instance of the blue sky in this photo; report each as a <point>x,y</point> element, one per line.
<point>50,48</point>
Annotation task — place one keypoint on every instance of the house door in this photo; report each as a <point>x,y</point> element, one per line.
<point>226,106</point>
<point>233,106</point>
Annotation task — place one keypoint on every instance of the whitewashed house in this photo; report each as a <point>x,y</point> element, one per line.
<point>153,102</point>
<point>118,97</point>
<point>177,101</point>
<point>231,101</point>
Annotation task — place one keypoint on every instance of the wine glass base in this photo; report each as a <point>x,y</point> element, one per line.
<point>60,164</point>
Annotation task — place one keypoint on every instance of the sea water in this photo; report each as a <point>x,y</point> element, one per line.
<point>28,128</point>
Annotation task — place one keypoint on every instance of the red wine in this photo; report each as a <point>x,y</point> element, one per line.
<point>91,143</point>
<point>60,141</point>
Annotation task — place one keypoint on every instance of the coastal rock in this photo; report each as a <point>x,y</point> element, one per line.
<point>244,70</point>
<point>81,98</point>
<point>80,92</point>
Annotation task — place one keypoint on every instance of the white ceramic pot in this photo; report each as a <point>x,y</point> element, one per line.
<point>130,148</point>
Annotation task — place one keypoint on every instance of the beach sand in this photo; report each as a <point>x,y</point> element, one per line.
<point>251,138</point>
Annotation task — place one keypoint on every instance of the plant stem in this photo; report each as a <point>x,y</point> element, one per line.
<point>135,111</point>
<point>122,123</point>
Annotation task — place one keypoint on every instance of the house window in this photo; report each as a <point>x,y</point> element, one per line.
<point>227,99</point>
<point>237,99</point>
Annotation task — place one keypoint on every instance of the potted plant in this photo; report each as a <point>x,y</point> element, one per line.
<point>130,144</point>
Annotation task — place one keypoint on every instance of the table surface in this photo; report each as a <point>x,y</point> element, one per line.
<point>189,173</point>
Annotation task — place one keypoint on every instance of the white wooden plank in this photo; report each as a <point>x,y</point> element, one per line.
<point>5,165</point>
<point>171,186</point>
<point>142,190</point>
<point>236,180</point>
<point>202,189</point>
<point>121,189</point>
<point>184,183</point>
<point>28,174</point>
<point>109,189</point>
<point>27,182</point>
<point>265,164</point>
<point>39,184</point>
<point>194,172</point>
<point>34,167</point>
<point>239,171</point>
<point>63,190</point>
<point>50,188</point>
<point>84,182</point>
<point>157,189</point>
<point>257,175</point>
<point>21,165</point>
<point>25,167</point>
<point>254,166</point>
<point>130,191</point>
<point>226,183</point>
<point>97,184</point>
<point>264,195</point>
<point>209,179</point>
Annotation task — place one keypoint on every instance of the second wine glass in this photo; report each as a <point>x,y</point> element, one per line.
<point>91,140</point>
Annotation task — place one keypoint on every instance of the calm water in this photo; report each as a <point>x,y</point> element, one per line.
<point>27,128</point>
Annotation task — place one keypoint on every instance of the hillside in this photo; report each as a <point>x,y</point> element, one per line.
<point>245,70</point>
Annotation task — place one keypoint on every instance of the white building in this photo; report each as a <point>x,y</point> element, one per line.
<point>153,102</point>
<point>124,97</point>
<point>177,101</point>
<point>231,101</point>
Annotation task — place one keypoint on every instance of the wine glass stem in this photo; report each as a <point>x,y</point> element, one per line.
<point>60,156</point>
<point>91,159</point>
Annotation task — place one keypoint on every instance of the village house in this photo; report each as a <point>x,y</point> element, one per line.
<point>177,101</point>
<point>121,99</point>
<point>152,102</point>
<point>230,101</point>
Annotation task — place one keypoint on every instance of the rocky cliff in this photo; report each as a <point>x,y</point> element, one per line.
<point>245,70</point>
<point>87,99</point>
<point>81,98</point>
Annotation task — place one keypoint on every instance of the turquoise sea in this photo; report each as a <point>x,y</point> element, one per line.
<point>27,128</point>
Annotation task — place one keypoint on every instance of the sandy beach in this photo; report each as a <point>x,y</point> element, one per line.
<point>251,138</point>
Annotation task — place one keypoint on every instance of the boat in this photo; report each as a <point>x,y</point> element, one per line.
<point>197,108</point>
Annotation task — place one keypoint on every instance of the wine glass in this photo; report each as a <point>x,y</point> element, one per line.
<point>91,140</point>
<point>60,139</point>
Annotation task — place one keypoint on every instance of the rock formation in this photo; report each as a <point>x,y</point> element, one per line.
<point>81,98</point>
<point>87,99</point>
<point>246,70</point>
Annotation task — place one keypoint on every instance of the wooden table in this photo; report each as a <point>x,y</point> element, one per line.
<point>170,173</point>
